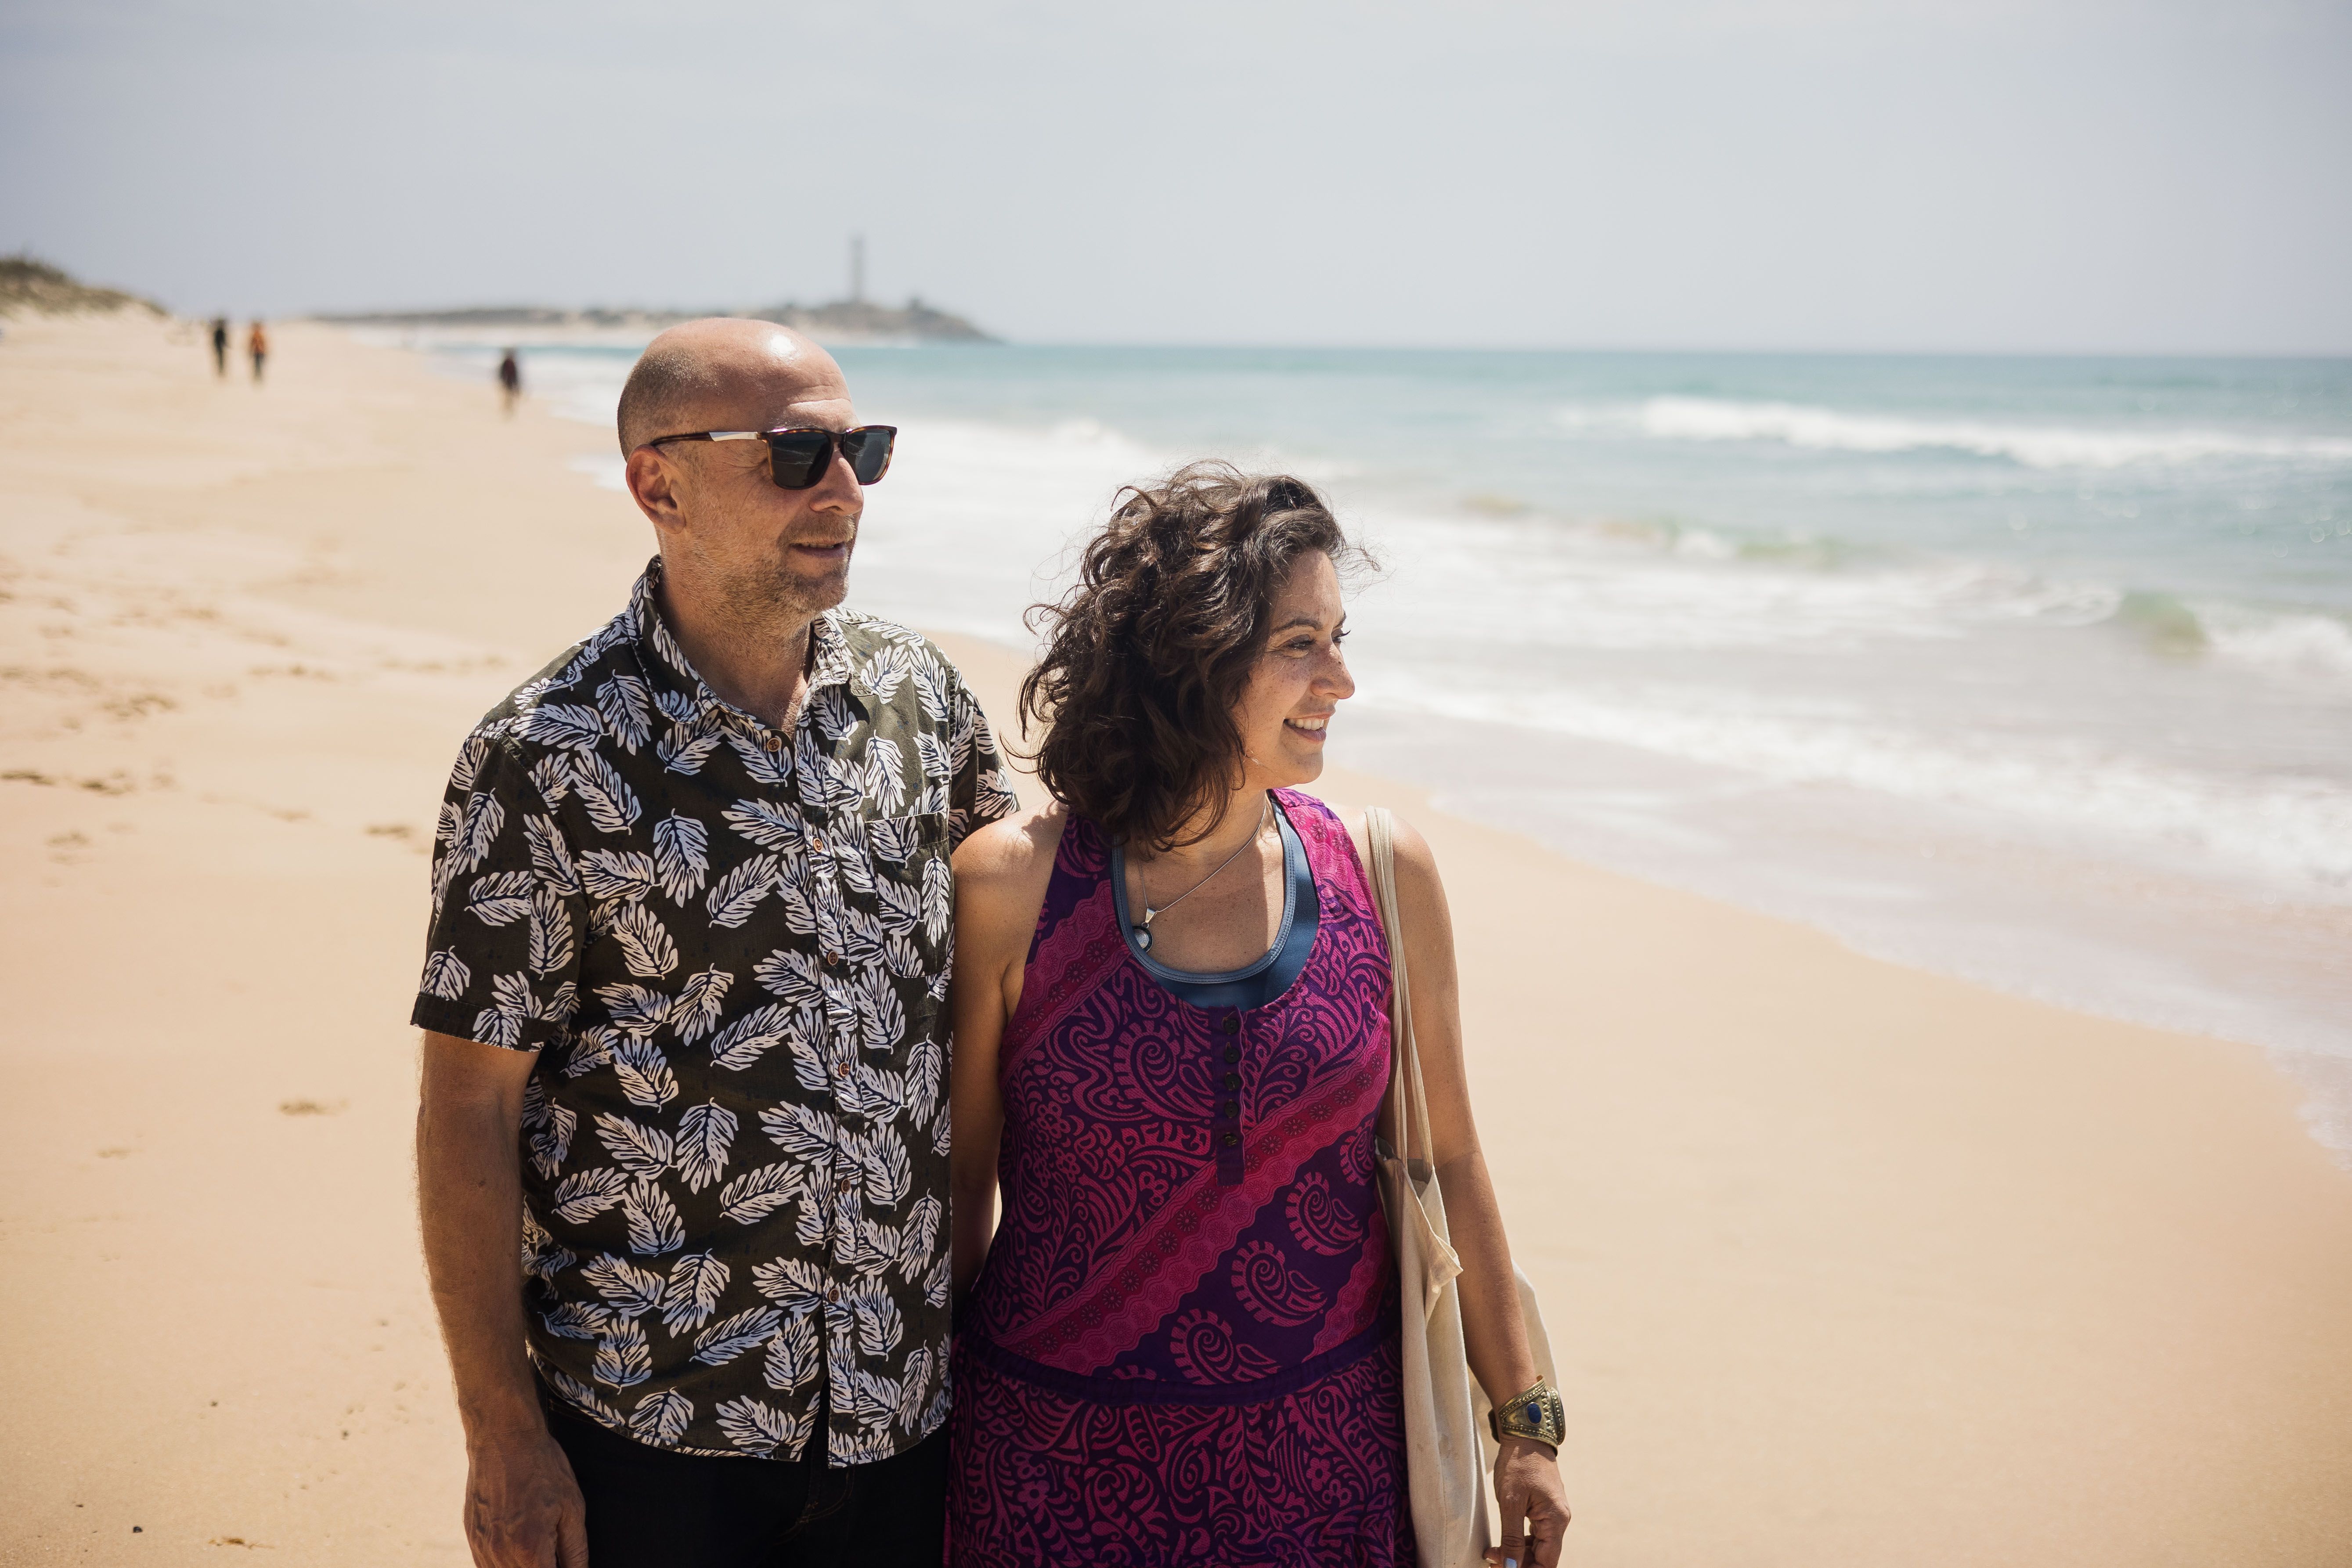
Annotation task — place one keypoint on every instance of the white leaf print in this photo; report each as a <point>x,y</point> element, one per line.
<point>809,1068</point>
<point>634,1009</point>
<point>682,751</point>
<point>810,1222</point>
<point>551,931</point>
<point>576,1319</point>
<point>661,1419</point>
<point>695,1283</point>
<point>793,975</point>
<point>591,1050</point>
<point>748,1038</point>
<point>612,804</point>
<point>914,1390</point>
<point>931,690</point>
<point>874,1094</point>
<point>926,1073</point>
<point>943,1129</point>
<point>900,907</point>
<point>628,713</point>
<point>675,706</point>
<point>730,1337</point>
<point>882,1160</point>
<point>551,1141</point>
<point>471,757</point>
<point>477,831</point>
<point>610,875</point>
<point>893,838</point>
<point>637,1149</point>
<point>644,1072</point>
<point>885,671</point>
<point>792,1360</point>
<point>645,945</point>
<point>867,1397</point>
<point>932,758</point>
<point>939,899</point>
<point>582,1196</point>
<point>697,1004</point>
<point>885,775</point>
<point>795,1284</point>
<point>622,1357</point>
<point>923,1233</point>
<point>654,1226</point>
<point>765,766</point>
<point>705,1135</point>
<point>551,777</point>
<point>792,887</point>
<point>869,1248</point>
<point>739,892</point>
<point>629,1289</point>
<point>577,1394</point>
<point>801,1130</point>
<point>833,714</point>
<point>500,898</point>
<point>881,1016</point>
<point>445,975</point>
<point>548,1262</point>
<point>935,1283</point>
<point>496,1026</point>
<point>559,1003</point>
<point>548,855</point>
<point>856,871</point>
<point>761,1429</point>
<point>860,938</point>
<point>766,825</point>
<point>681,855</point>
<point>563,726</point>
<point>879,1328</point>
<point>755,1194</point>
<point>514,995</point>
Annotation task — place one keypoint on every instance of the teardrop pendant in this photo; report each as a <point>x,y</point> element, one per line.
<point>1143,938</point>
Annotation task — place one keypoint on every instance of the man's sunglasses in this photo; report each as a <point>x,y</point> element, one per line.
<point>799,459</point>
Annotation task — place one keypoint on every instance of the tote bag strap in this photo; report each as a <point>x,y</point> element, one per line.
<point>1407,1113</point>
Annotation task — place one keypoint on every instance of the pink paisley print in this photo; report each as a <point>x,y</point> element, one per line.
<point>1171,1356</point>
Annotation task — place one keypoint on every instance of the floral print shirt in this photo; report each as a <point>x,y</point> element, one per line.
<point>729,945</point>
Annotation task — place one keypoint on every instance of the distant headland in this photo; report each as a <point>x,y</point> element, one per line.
<point>28,284</point>
<point>845,322</point>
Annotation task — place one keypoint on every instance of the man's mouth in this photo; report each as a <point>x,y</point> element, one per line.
<point>1310,729</point>
<point>823,549</point>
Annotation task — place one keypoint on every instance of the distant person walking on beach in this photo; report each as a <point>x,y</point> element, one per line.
<point>1181,1341</point>
<point>257,343</point>
<point>686,1037</point>
<point>220,347</point>
<point>509,380</point>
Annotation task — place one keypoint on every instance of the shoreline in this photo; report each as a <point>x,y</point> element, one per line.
<point>1846,1263</point>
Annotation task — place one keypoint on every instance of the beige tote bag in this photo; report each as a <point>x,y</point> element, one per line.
<point>1448,1447</point>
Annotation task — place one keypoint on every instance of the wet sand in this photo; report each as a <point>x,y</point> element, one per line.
<point>1845,1264</point>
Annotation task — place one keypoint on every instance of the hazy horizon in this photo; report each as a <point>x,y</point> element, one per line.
<point>1802,177</point>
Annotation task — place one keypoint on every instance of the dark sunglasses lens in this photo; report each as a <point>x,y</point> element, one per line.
<point>868,452</point>
<point>799,457</point>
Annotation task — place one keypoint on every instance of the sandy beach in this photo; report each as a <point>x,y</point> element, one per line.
<point>1844,1263</point>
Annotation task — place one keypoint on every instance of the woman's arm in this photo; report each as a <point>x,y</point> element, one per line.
<point>1527,1477</point>
<point>1001,874</point>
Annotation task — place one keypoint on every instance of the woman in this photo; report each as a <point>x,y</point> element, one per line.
<point>1170,1003</point>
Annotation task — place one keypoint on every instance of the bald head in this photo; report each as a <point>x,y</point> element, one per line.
<point>722,373</point>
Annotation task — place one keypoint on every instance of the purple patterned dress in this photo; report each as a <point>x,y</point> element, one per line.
<point>1183,1347</point>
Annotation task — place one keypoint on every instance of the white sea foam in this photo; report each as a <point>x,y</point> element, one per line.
<point>2033,446</point>
<point>2289,646</point>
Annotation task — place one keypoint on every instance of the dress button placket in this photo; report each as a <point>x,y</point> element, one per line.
<point>1225,1129</point>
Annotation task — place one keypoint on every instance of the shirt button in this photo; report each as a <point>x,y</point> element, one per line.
<point>1232,1107</point>
<point>817,843</point>
<point>1231,1140</point>
<point>1233,1080</point>
<point>1232,1053</point>
<point>834,959</point>
<point>776,743</point>
<point>1233,1024</point>
<point>833,1292</point>
<point>841,1069</point>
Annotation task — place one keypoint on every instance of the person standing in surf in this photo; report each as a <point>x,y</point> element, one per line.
<point>1171,1042</point>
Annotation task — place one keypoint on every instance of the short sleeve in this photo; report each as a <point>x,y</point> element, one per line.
<point>980,793</point>
<point>502,956</point>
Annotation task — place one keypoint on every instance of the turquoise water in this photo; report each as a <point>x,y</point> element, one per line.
<point>2038,671</point>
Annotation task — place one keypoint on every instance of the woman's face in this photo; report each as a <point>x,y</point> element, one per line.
<point>1300,680</point>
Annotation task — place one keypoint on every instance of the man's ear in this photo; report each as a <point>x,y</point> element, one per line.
<point>654,482</point>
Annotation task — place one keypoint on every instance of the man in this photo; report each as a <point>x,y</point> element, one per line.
<point>509,380</point>
<point>686,1048</point>
<point>220,347</point>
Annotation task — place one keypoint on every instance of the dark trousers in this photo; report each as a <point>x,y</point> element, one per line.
<point>649,1508</point>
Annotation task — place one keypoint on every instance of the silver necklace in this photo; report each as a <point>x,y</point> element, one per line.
<point>1142,928</point>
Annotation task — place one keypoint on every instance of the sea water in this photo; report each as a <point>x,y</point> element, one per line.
<point>2035,671</point>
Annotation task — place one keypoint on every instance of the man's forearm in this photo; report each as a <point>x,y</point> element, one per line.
<point>469,1195</point>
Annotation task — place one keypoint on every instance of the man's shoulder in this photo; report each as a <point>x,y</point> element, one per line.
<point>885,655</point>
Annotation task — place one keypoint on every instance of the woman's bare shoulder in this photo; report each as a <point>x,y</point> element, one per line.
<point>1009,856</point>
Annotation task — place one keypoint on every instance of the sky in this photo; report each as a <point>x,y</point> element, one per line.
<point>1993,175</point>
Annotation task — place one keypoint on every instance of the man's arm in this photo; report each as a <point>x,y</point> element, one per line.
<point>523,1508</point>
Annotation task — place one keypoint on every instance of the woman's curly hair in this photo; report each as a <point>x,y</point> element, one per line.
<point>1148,655</point>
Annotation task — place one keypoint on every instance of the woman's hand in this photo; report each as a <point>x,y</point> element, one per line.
<point>1535,1506</point>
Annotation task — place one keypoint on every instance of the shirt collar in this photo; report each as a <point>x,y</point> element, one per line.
<point>666,668</point>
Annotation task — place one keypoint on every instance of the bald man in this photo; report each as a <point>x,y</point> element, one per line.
<point>685,1052</point>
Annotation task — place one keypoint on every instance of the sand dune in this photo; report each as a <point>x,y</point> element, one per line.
<point>1847,1264</point>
